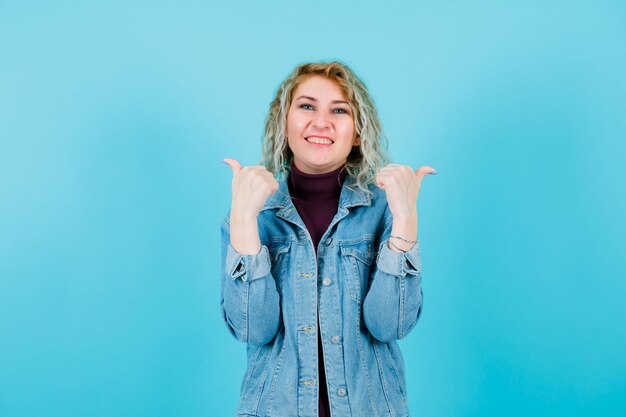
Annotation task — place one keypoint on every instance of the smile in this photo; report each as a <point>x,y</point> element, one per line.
<point>318,140</point>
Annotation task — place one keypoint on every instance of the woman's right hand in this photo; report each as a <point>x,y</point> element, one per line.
<point>252,186</point>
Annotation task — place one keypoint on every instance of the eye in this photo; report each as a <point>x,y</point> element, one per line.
<point>306,106</point>
<point>340,110</point>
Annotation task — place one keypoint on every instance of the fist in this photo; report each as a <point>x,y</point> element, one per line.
<point>402,185</point>
<point>252,186</point>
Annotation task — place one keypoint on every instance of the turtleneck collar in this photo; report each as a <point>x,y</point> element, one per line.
<point>316,188</point>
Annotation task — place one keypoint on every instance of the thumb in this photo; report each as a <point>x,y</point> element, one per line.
<point>233,164</point>
<point>424,170</point>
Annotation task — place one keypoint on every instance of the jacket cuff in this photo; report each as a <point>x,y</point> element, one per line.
<point>247,267</point>
<point>399,263</point>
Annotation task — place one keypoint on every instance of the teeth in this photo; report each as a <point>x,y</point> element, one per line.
<point>319,140</point>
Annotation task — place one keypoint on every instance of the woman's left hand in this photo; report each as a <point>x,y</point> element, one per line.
<point>402,185</point>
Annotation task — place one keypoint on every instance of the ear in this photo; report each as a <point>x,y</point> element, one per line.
<point>357,141</point>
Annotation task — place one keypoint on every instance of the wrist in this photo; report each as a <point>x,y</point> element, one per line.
<point>399,245</point>
<point>405,215</point>
<point>404,232</point>
<point>242,217</point>
<point>396,245</point>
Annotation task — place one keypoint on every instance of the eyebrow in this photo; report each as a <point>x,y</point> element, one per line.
<point>314,99</point>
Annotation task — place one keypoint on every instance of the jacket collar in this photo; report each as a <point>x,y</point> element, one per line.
<point>349,197</point>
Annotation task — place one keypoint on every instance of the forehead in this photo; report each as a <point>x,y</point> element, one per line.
<point>319,87</point>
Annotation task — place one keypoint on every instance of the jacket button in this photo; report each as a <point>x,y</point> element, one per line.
<point>341,392</point>
<point>326,281</point>
<point>329,241</point>
<point>335,339</point>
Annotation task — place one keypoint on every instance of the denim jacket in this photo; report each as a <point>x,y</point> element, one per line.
<point>368,296</point>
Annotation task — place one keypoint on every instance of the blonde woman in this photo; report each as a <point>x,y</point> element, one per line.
<point>321,271</point>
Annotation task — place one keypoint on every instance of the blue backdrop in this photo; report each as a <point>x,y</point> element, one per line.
<point>114,119</point>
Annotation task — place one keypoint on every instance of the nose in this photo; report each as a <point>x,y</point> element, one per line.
<point>321,120</point>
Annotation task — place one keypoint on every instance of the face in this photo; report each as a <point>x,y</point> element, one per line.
<point>320,126</point>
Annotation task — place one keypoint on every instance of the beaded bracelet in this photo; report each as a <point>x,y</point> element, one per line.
<point>403,239</point>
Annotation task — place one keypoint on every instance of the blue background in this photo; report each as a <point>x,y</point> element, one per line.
<point>114,119</point>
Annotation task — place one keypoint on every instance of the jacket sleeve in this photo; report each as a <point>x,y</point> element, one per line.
<point>394,300</point>
<point>250,302</point>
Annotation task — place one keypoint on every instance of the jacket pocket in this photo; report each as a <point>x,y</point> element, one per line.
<point>357,262</point>
<point>395,368</point>
<point>391,383</point>
<point>254,379</point>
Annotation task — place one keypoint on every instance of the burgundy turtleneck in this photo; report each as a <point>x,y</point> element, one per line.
<point>316,197</point>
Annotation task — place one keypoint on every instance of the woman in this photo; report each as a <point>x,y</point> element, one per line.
<point>321,271</point>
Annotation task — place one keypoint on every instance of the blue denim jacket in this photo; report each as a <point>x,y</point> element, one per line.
<point>368,296</point>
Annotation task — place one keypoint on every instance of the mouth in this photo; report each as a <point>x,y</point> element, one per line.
<point>319,140</point>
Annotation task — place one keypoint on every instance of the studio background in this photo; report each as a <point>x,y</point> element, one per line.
<point>114,119</point>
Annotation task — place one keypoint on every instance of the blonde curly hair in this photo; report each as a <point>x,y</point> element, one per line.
<point>365,160</point>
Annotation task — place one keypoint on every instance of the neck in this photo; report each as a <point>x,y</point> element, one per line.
<point>316,188</point>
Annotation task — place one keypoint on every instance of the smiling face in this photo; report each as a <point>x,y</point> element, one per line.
<point>320,126</point>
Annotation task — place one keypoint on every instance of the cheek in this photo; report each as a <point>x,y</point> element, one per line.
<point>290,142</point>
<point>348,131</point>
<point>293,125</point>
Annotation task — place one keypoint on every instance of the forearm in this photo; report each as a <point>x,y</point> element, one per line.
<point>250,300</point>
<point>405,226</point>
<point>252,309</point>
<point>393,302</point>
<point>244,233</point>
<point>387,323</point>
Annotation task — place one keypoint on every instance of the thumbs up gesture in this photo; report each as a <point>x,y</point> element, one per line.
<point>252,185</point>
<point>402,185</point>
